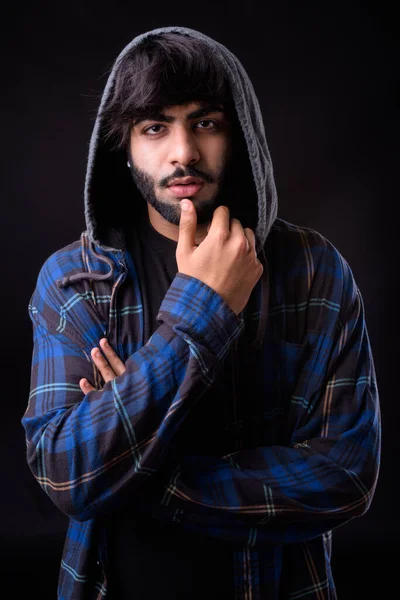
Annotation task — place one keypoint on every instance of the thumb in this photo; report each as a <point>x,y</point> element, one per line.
<point>187,227</point>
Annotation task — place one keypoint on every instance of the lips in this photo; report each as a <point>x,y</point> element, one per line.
<point>185,190</point>
<point>186,181</point>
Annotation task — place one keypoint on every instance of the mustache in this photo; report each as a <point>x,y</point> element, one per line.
<point>188,172</point>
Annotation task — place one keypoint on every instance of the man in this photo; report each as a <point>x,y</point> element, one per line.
<point>203,398</point>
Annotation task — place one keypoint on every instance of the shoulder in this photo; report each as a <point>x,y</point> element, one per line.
<point>296,237</point>
<point>290,245</point>
<point>80,256</point>
<point>64,277</point>
<point>309,274</point>
<point>63,262</point>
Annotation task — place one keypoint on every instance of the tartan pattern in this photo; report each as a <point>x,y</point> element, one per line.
<point>308,428</point>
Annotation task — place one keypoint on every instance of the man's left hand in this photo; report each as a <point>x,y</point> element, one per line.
<point>109,367</point>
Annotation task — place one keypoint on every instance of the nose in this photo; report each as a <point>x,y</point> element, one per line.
<point>184,148</point>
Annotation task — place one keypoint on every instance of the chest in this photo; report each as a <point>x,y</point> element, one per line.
<point>255,389</point>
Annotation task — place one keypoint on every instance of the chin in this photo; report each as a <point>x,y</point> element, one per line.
<point>171,211</point>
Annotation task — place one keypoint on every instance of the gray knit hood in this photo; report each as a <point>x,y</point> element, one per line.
<point>112,199</point>
<point>109,183</point>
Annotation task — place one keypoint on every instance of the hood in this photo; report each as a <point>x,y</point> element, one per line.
<point>109,181</point>
<point>111,198</point>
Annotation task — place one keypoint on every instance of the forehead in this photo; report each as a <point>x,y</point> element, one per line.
<point>189,107</point>
<point>169,113</point>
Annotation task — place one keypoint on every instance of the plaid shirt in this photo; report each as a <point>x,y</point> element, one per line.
<point>308,431</point>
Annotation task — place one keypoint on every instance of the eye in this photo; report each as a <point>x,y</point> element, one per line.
<point>210,121</point>
<point>148,130</point>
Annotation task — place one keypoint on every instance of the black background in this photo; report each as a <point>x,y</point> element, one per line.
<point>325,75</point>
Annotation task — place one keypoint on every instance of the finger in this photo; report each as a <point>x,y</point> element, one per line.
<point>101,363</point>
<point>85,386</point>
<point>221,220</point>
<point>187,229</point>
<point>115,362</point>
<point>249,233</point>
<point>238,232</point>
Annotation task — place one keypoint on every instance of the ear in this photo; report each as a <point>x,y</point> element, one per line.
<point>129,160</point>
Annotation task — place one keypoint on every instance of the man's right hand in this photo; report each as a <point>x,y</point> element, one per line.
<point>226,259</point>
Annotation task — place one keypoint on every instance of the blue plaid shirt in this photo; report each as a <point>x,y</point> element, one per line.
<point>308,463</point>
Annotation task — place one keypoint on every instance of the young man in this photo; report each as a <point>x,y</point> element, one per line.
<point>203,399</point>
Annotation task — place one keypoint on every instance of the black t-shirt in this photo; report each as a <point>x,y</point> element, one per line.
<point>148,559</point>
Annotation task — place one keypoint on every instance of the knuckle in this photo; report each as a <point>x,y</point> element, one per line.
<point>243,244</point>
<point>223,235</point>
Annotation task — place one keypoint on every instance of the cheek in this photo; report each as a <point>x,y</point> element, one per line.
<point>146,163</point>
<point>221,156</point>
<point>142,155</point>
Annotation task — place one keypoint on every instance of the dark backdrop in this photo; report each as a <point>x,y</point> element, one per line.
<point>326,79</point>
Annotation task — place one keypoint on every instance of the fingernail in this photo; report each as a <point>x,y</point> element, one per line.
<point>105,341</point>
<point>185,205</point>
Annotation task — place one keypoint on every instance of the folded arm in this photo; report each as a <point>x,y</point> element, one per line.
<point>325,476</point>
<point>86,449</point>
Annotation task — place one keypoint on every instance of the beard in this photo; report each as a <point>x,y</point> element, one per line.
<point>172,212</point>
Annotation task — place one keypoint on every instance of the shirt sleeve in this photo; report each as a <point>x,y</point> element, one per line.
<point>328,472</point>
<point>86,450</point>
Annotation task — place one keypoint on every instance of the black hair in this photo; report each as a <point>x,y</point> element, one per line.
<point>163,70</point>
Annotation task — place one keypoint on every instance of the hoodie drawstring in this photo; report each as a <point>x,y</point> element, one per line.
<point>64,281</point>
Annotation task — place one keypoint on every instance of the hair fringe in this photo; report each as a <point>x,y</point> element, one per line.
<point>163,70</point>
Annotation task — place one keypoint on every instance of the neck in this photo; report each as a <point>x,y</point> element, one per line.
<point>170,230</point>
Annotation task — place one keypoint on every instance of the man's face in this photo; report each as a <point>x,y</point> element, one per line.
<point>191,141</point>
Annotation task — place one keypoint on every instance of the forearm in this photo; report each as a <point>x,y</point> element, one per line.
<point>270,495</point>
<point>86,449</point>
<point>283,494</point>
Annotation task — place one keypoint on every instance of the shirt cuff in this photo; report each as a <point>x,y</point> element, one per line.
<point>191,306</point>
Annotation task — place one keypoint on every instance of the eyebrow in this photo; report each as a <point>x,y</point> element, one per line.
<point>159,116</point>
